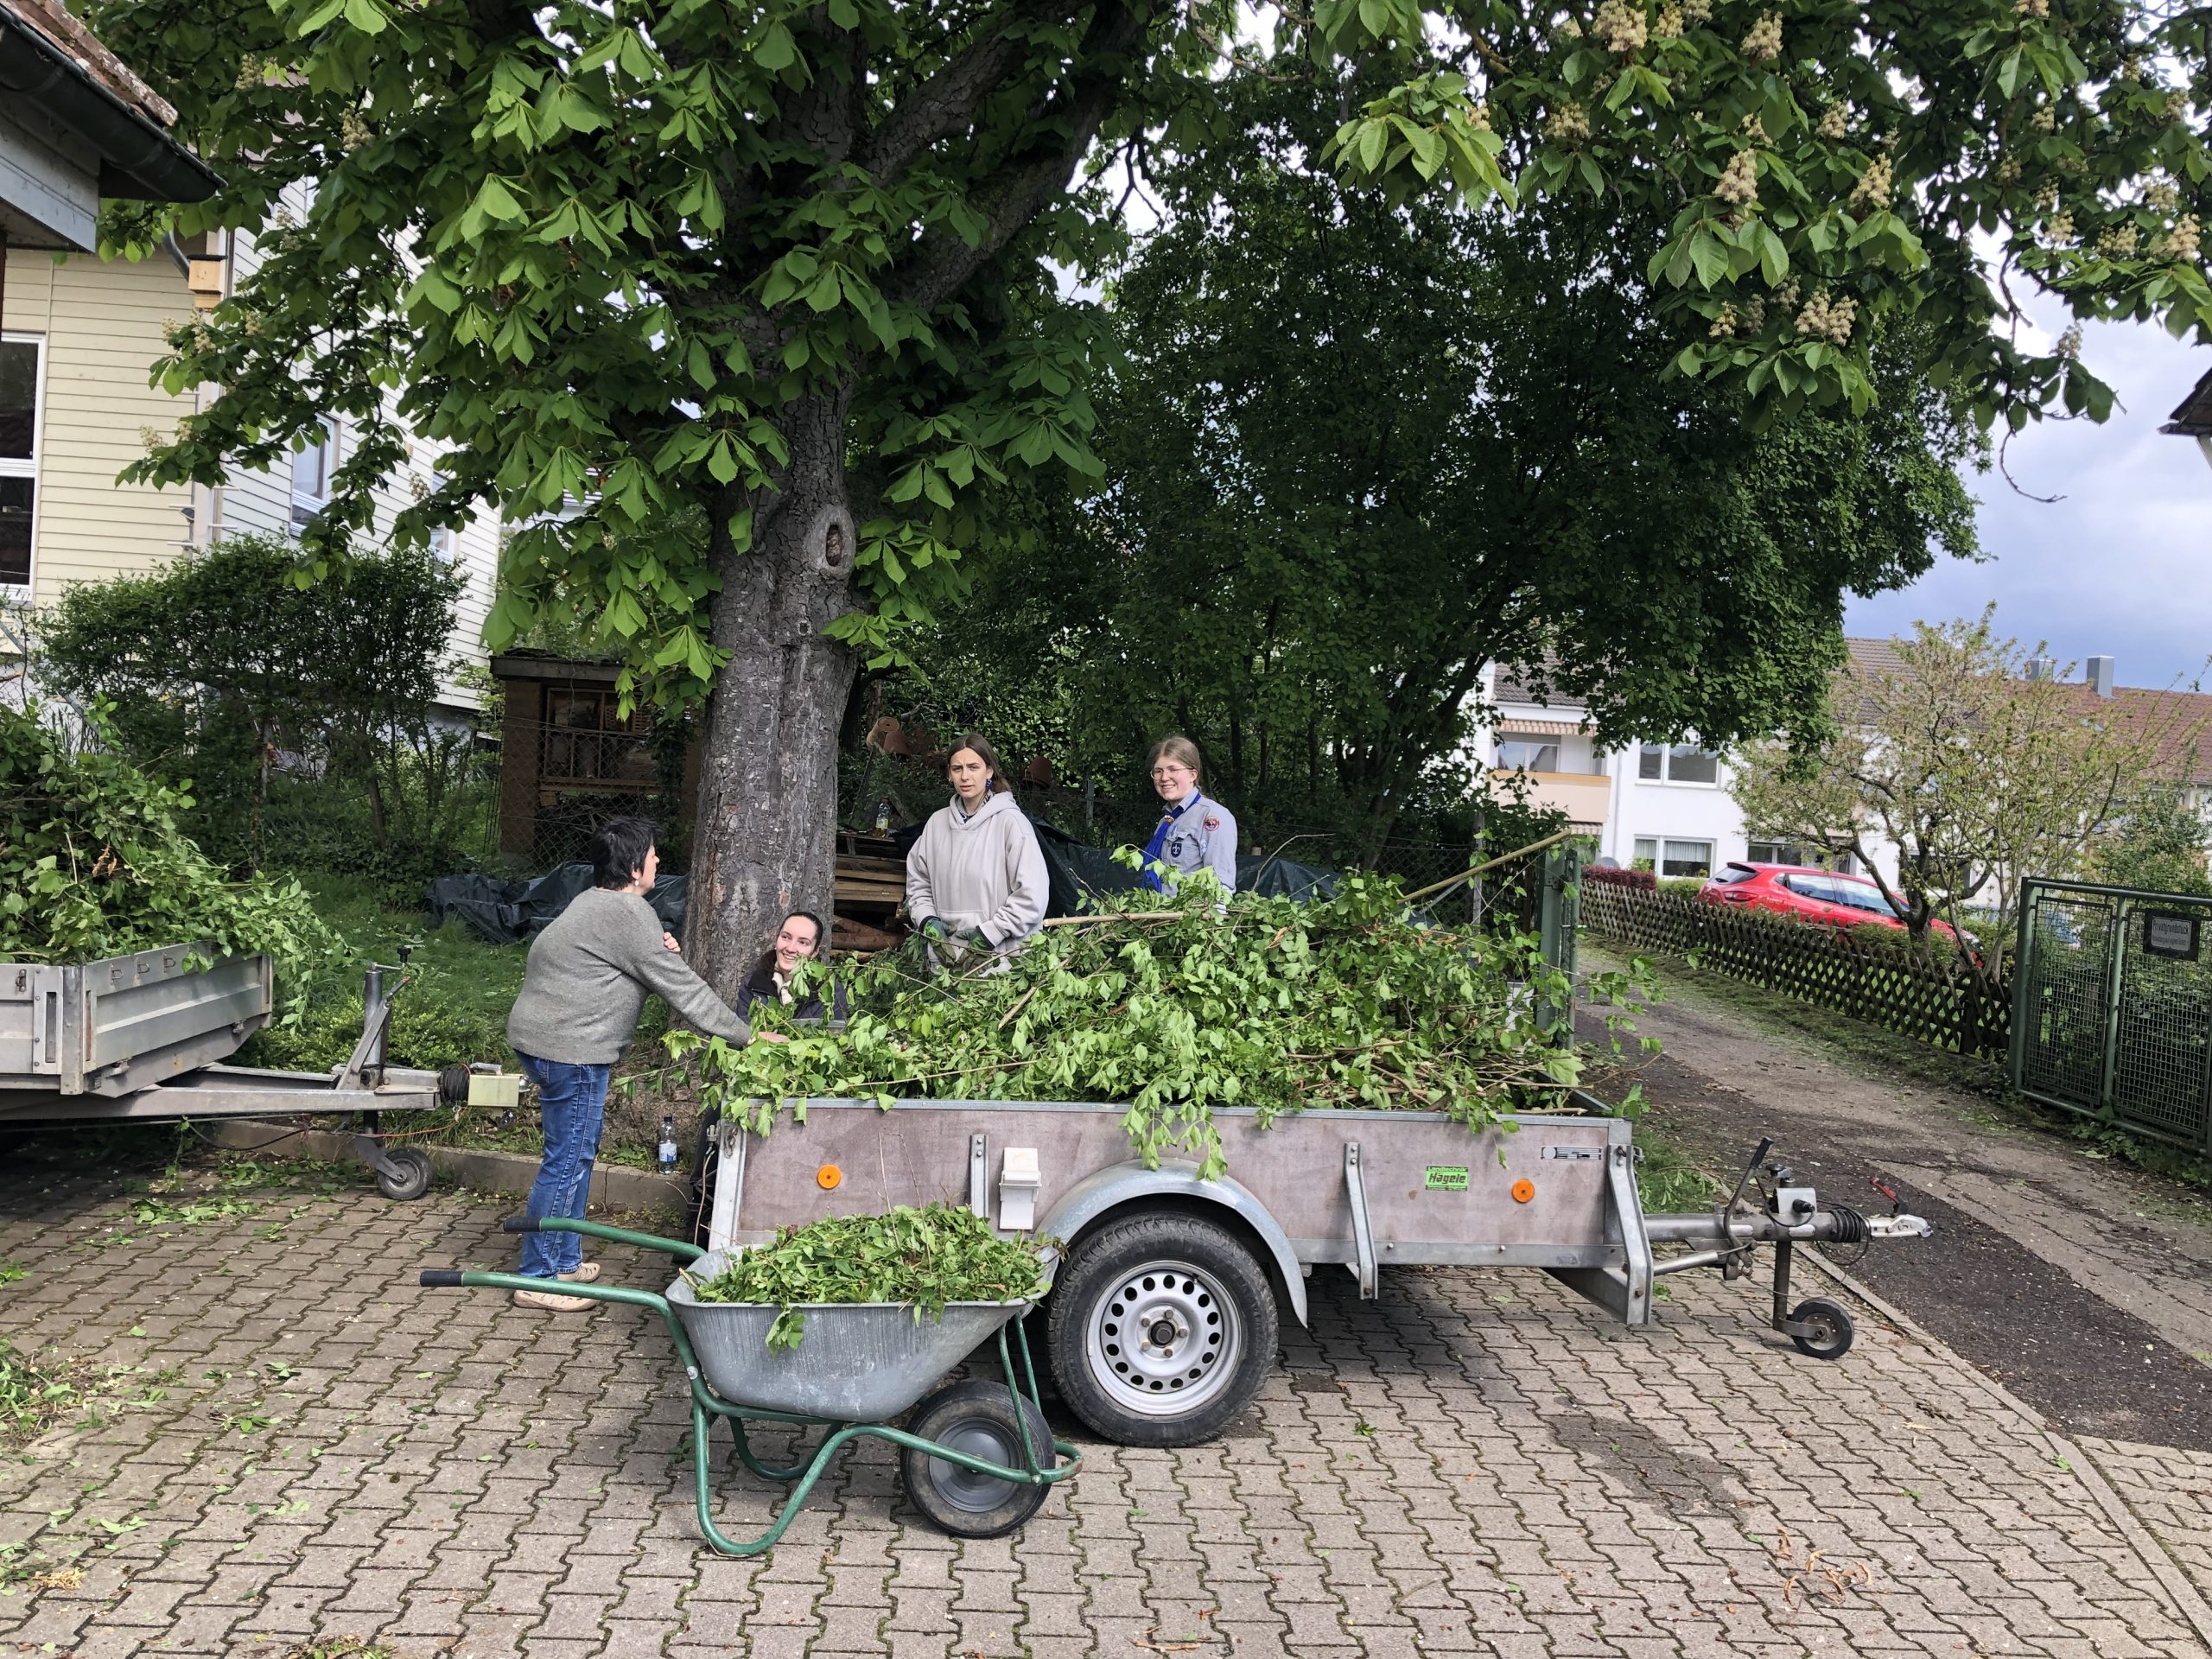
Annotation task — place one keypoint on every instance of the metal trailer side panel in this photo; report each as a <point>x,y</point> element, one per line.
<point>30,1025</point>
<point>1544,1195</point>
<point>124,1024</point>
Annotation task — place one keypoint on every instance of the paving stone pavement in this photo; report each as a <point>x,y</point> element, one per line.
<point>1477,1464</point>
<point>2169,1489</point>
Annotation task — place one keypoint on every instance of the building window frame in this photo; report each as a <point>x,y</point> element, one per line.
<point>1656,763</point>
<point>25,468</point>
<point>1812,857</point>
<point>311,479</point>
<point>1518,753</point>
<point>1672,856</point>
<point>445,543</point>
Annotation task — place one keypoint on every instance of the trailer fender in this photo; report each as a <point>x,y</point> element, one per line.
<point>1119,1184</point>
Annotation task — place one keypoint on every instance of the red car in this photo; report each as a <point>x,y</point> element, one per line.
<point>1809,894</point>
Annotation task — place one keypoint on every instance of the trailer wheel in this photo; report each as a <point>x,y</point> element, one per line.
<point>1161,1330</point>
<point>976,1417</point>
<point>1830,1329</point>
<point>412,1179</point>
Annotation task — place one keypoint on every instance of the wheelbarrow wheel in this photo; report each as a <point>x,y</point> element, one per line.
<point>978,1418</point>
<point>412,1179</point>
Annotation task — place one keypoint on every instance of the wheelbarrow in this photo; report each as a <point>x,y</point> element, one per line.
<point>976,1458</point>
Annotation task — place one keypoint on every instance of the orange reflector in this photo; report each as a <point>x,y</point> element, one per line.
<point>1523,1190</point>
<point>827,1176</point>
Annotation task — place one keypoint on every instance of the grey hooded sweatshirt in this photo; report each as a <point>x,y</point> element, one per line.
<point>985,871</point>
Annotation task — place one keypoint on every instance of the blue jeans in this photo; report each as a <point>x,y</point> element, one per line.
<point>573,1101</point>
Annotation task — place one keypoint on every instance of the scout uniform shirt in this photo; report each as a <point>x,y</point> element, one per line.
<point>1199,835</point>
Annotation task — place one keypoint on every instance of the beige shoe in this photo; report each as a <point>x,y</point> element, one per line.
<point>586,1275</point>
<point>552,1302</point>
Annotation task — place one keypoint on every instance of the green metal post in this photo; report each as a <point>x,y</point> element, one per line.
<point>2115,983</point>
<point>1556,919</point>
<point>2023,961</point>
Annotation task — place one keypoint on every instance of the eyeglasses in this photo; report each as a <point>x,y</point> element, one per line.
<point>1173,771</point>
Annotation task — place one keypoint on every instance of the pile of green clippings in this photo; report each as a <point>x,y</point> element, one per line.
<point>922,1258</point>
<point>93,864</point>
<point>1172,1006</point>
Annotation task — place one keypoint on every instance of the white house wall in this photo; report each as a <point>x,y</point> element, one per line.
<point>261,501</point>
<point>1638,808</point>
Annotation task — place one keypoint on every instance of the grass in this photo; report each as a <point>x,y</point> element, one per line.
<point>452,1009</point>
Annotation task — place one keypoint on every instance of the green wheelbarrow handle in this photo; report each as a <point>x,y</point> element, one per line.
<point>675,1247</point>
<point>449,1279</point>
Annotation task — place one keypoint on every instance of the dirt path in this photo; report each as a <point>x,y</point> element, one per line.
<point>2083,1286</point>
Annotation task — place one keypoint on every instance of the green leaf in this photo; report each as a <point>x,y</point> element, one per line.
<point>775,50</point>
<point>1709,257</point>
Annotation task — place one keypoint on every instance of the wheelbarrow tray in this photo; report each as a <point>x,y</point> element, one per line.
<point>861,1362</point>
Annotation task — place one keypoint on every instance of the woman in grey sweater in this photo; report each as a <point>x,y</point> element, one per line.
<point>582,992</point>
<point>977,878</point>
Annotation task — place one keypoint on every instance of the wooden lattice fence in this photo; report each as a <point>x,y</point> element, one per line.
<point>1927,994</point>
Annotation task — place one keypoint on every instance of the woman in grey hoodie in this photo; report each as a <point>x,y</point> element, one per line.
<point>976,877</point>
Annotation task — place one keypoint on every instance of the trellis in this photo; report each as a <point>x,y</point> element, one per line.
<point>1926,993</point>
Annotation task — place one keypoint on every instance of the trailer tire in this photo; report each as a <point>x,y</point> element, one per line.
<point>1161,1329</point>
<point>413,1180</point>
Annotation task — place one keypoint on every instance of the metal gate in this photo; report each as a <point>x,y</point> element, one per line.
<point>2111,1007</point>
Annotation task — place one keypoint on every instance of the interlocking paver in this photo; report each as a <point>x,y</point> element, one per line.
<point>1472,1465</point>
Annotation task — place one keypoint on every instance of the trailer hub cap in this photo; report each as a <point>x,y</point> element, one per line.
<point>1164,1339</point>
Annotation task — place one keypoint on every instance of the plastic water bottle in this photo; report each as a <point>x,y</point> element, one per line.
<point>883,817</point>
<point>668,1146</point>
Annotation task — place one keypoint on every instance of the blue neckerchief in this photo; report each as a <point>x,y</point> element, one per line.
<point>1158,842</point>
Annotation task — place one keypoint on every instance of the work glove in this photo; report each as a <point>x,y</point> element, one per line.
<point>971,939</point>
<point>934,930</point>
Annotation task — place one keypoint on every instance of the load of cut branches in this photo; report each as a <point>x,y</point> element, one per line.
<point>1175,1007</point>
<point>93,864</point>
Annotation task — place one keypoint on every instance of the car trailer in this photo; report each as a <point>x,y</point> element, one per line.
<point>140,1039</point>
<point>1169,1288</point>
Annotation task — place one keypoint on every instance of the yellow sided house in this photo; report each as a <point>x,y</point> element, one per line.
<point>79,338</point>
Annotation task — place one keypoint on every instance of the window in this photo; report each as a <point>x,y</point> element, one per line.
<point>1690,858</point>
<point>586,741</point>
<point>19,367</point>
<point>311,470</point>
<point>1677,763</point>
<point>1791,852</point>
<point>444,544</point>
<point>1816,887</point>
<point>1525,754</point>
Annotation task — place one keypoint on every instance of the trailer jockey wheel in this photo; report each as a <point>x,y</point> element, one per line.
<point>411,1178</point>
<point>1821,1328</point>
<point>1162,1327</point>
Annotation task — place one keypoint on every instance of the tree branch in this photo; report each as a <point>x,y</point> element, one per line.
<point>947,102</point>
<point>943,261</point>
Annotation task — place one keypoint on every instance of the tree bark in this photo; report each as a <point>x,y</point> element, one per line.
<point>765,834</point>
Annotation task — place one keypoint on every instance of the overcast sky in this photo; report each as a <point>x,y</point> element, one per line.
<point>2121,566</point>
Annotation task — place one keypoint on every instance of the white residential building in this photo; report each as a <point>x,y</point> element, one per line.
<point>1662,805</point>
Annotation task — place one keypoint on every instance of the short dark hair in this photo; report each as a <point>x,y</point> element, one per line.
<point>618,850</point>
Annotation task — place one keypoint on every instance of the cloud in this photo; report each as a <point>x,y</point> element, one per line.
<point>2123,564</point>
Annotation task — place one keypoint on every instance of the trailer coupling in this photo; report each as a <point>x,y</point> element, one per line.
<point>1788,1214</point>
